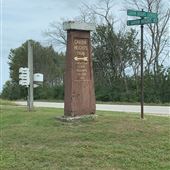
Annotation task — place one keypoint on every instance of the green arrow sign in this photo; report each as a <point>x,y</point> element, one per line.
<point>141,14</point>
<point>134,22</point>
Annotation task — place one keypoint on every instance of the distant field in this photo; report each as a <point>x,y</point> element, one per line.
<point>6,102</point>
<point>114,141</point>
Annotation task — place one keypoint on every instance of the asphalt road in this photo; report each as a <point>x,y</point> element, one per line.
<point>154,110</point>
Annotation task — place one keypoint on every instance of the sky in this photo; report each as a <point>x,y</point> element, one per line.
<point>28,19</point>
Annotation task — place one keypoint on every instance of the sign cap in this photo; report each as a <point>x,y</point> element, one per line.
<point>74,25</point>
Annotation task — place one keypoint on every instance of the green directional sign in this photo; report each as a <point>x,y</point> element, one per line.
<point>141,14</point>
<point>134,22</point>
<point>142,21</point>
<point>151,15</point>
<point>149,20</point>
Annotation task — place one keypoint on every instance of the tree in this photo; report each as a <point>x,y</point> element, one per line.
<point>116,53</point>
<point>56,35</point>
<point>13,91</point>
<point>45,61</point>
<point>113,55</point>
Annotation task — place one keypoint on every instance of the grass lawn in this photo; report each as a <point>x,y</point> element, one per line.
<point>6,102</point>
<point>114,141</point>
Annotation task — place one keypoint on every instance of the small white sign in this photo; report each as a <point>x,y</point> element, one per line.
<point>24,76</point>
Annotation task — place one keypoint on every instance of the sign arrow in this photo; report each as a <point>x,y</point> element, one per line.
<point>81,59</point>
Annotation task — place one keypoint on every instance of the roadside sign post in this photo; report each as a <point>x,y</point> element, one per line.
<point>26,77</point>
<point>30,80</point>
<point>142,78</point>
<point>146,18</point>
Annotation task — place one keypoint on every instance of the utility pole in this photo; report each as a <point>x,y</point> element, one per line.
<point>30,66</point>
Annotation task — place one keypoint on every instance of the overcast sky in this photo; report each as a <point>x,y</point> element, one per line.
<point>28,19</point>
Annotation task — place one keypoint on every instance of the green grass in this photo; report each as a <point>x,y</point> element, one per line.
<point>6,102</point>
<point>114,141</point>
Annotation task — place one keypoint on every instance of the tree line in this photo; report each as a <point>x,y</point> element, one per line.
<point>46,61</point>
<point>116,58</point>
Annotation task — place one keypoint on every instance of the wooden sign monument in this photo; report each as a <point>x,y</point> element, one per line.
<point>79,89</point>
